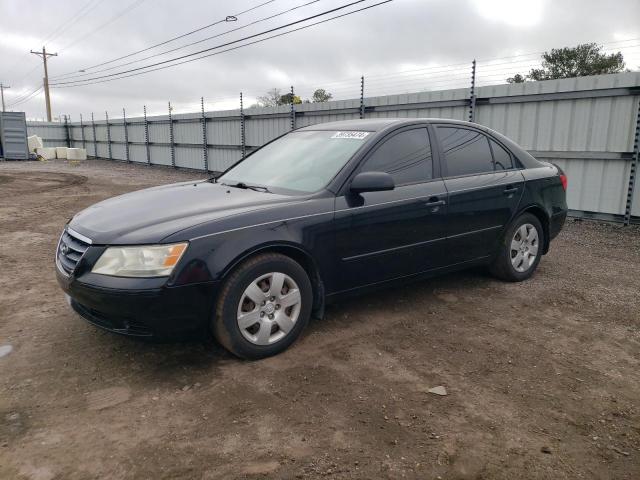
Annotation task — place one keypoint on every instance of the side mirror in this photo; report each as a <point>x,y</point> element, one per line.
<point>372,182</point>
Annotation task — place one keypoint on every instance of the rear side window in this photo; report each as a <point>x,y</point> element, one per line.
<point>501,157</point>
<point>406,157</point>
<point>465,151</point>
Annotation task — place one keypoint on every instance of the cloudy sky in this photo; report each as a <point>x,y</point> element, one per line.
<point>400,46</point>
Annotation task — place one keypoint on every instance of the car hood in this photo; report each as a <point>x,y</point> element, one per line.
<point>150,215</point>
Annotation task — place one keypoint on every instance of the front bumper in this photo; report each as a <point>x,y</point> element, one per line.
<point>168,313</point>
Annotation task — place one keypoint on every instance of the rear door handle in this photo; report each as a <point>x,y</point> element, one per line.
<point>511,189</point>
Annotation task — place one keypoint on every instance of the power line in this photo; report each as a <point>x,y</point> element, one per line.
<point>193,43</point>
<point>120,75</point>
<point>19,97</point>
<point>77,16</point>
<point>52,35</point>
<point>200,41</point>
<point>135,4</point>
<point>25,98</point>
<point>239,46</point>
<point>170,40</point>
<point>461,67</point>
<point>223,44</point>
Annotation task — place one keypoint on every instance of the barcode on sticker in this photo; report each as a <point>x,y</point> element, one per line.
<point>353,135</point>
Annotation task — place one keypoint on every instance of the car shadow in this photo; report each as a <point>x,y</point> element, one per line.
<point>206,354</point>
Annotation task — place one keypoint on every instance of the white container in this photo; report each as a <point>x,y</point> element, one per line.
<point>76,154</point>
<point>46,152</point>
<point>61,152</point>
<point>34,142</point>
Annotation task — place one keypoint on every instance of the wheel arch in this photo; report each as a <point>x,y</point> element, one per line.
<point>543,217</point>
<point>296,253</point>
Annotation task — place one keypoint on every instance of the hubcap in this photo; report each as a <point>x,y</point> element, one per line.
<point>269,308</point>
<point>524,247</point>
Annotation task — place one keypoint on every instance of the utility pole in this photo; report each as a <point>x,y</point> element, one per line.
<point>47,99</point>
<point>2,87</point>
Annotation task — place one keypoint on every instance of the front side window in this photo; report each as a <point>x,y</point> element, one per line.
<point>465,151</point>
<point>406,157</point>
<point>303,161</point>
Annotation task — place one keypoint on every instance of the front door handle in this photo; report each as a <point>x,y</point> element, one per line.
<point>434,203</point>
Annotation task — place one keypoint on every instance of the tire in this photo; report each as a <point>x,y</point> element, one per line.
<point>514,261</point>
<point>253,319</point>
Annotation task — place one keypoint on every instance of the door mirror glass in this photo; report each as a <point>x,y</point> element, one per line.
<point>372,182</point>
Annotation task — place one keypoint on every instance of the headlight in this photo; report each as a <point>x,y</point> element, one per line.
<point>143,261</point>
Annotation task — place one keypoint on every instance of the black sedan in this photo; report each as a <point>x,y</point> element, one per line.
<point>319,213</point>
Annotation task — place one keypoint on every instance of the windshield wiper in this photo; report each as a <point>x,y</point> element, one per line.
<point>244,186</point>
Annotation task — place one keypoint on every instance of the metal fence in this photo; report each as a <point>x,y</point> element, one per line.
<point>589,126</point>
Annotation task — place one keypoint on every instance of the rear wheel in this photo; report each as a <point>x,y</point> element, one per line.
<point>263,307</point>
<point>520,249</point>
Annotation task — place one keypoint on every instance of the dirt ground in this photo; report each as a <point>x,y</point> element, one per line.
<point>542,377</point>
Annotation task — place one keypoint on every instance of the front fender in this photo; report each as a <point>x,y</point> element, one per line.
<point>211,256</point>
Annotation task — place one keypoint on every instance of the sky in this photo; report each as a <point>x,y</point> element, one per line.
<point>400,46</point>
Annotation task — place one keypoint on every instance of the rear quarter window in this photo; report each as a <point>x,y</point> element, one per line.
<point>502,158</point>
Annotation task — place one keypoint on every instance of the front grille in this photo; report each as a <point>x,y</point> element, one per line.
<point>70,251</point>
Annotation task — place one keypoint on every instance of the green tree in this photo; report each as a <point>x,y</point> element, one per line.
<point>320,96</point>
<point>569,62</point>
<point>517,78</point>
<point>288,99</point>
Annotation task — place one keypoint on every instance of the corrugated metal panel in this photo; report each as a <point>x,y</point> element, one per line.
<point>159,132</point>
<point>136,133</point>
<point>53,134</point>
<point>187,132</point>
<point>160,155</point>
<point>102,150</point>
<point>189,157</point>
<point>118,151</point>
<point>224,132</point>
<point>138,153</point>
<point>260,131</point>
<point>13,136</point>
<point>222,158</point>
<point>635,208</point>
<point>595,185</point>
<point>117,132</point>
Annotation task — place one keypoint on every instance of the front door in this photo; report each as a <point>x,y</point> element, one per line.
<point>391,234</point>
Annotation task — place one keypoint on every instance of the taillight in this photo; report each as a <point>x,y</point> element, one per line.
<point>563,179</point>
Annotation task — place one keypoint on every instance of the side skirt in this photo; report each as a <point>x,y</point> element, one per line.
<point>372,287</point>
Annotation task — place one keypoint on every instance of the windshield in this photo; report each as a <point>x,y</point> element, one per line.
<point>303,161</point>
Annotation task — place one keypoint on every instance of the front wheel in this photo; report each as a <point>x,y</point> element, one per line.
<point>520,249</point>
<point>263,307</point>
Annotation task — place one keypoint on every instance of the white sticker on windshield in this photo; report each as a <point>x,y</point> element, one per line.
<point>352,135</point>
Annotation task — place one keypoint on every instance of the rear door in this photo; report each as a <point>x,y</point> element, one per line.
<point>390,234</point>
<point>484,188</point>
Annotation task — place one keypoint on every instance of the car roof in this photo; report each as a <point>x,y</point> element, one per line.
<point>379,124</point>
